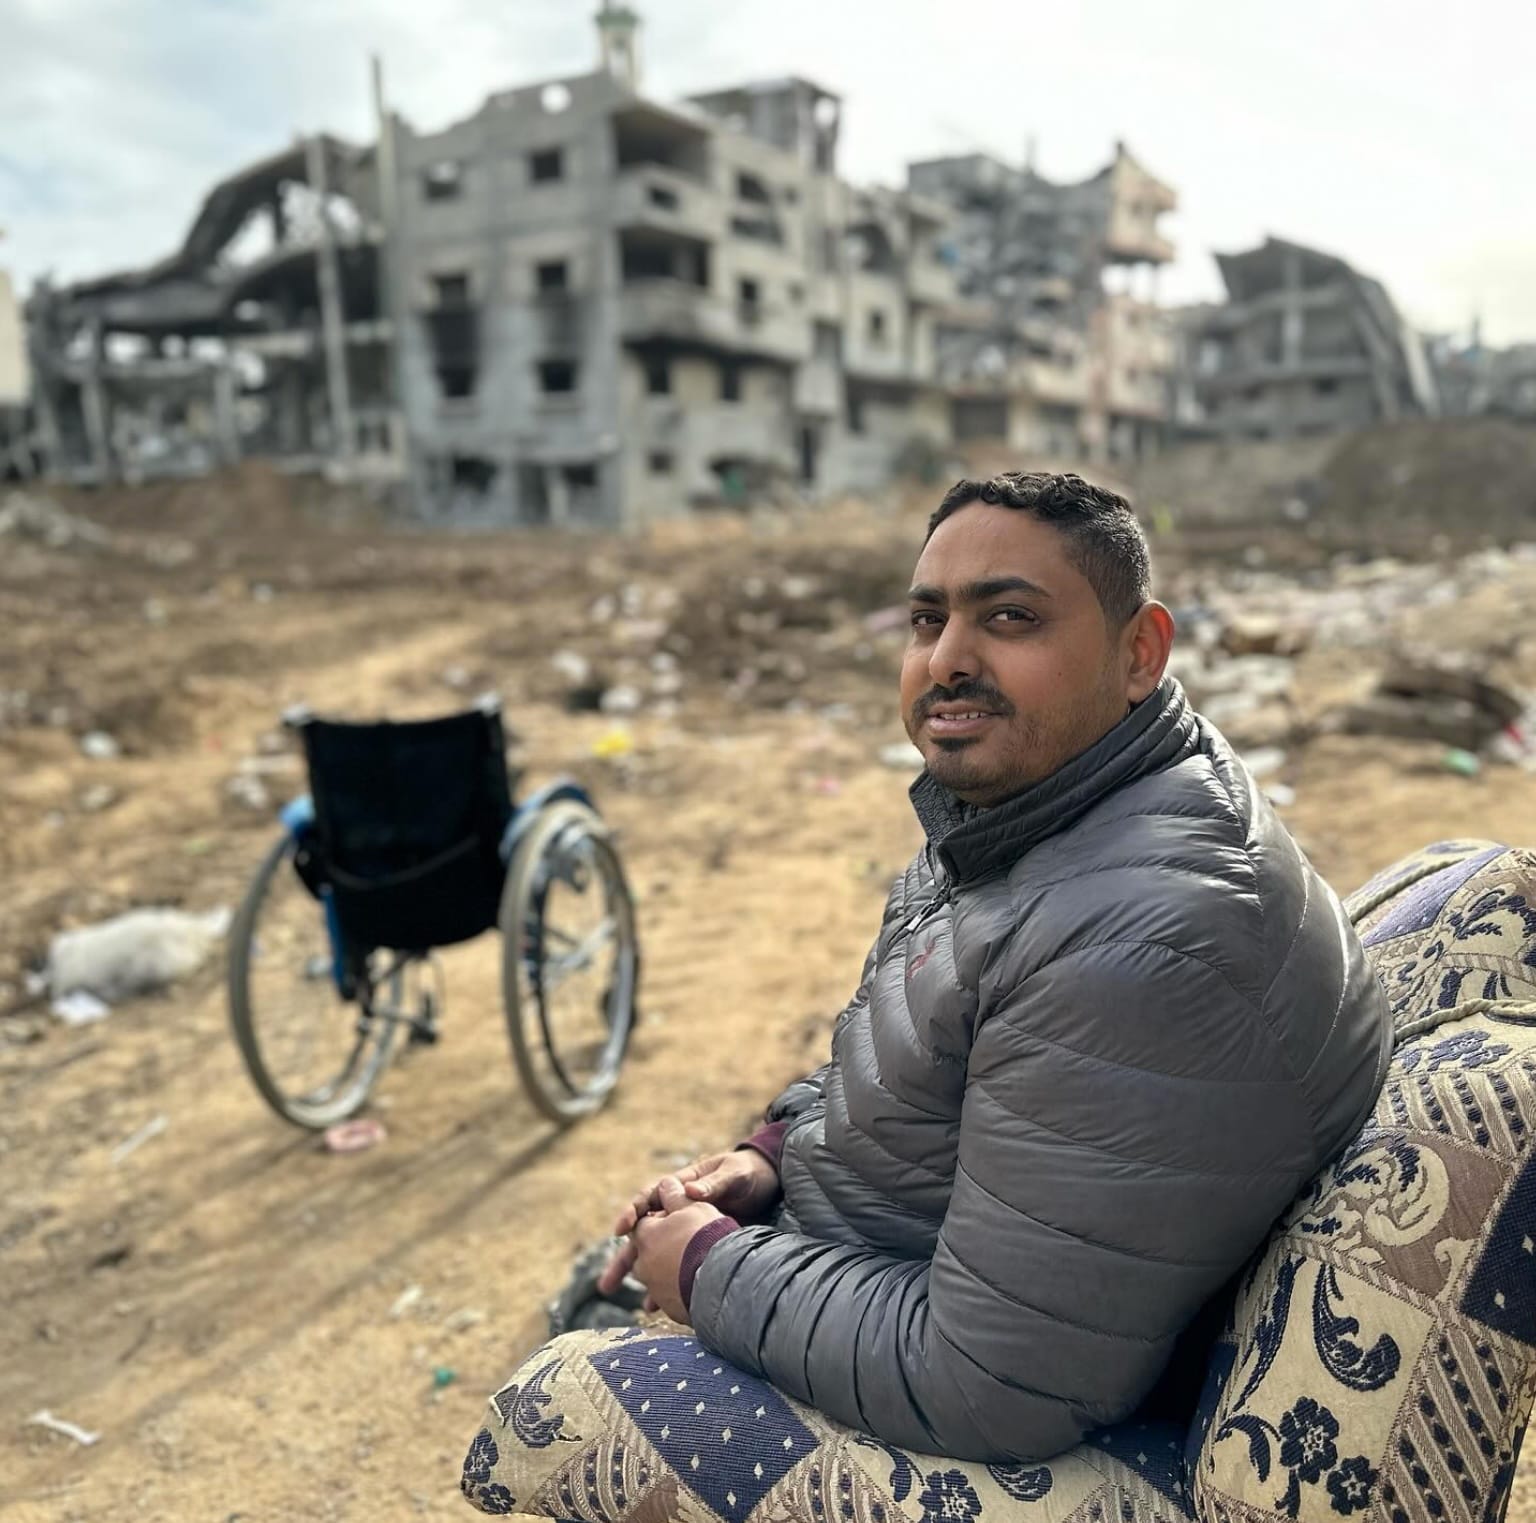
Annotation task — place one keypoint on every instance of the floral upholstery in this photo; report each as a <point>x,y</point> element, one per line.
<point>1384,1351</point>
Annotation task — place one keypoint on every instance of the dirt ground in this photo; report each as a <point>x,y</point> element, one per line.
<point>218,1304</point>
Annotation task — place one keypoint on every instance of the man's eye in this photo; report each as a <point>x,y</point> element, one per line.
<point>1015,616</point>
<point>924,619</point>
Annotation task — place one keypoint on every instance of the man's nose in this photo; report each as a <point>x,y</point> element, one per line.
<point>954,658</point>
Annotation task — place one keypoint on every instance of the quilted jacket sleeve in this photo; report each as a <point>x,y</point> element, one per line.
<point>1112,1175</point>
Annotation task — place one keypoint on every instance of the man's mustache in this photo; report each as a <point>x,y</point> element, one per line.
<point>982,694</point>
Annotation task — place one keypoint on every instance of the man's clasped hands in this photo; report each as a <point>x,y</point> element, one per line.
<point>658,1224</point>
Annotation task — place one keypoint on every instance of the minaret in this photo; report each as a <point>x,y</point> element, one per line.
<point>618,32</point>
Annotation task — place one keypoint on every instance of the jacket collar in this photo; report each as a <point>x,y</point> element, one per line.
<point>974,843</point>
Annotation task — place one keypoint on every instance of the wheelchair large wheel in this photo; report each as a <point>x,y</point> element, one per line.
<point>312,1055</point>
<point>570,965</point>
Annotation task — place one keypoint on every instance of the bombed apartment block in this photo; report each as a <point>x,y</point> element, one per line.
<point>266,333</point>
<point>1058,344</point>
<point>578,306</point>
<point>618,309</point>
<point>1304,344</point>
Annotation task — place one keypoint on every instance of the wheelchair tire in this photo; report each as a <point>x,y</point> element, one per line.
<point>345,1094</point>
<point>567,842</point>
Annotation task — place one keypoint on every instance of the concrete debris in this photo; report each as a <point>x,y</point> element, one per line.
<point>464,1319</point>
<point>36,518</point>
<point>97,797</point>
<point>404,1302</point>
<point>1263,635</point>
<point>572,666</point>
<point>133,953</point>
<point>248,792</point>
<point>1431,698</point>
<point>1281,795</point>
<point>622,700</point>
<point>99,746</point>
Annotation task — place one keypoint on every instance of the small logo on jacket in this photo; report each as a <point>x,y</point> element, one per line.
<point>919,962</point>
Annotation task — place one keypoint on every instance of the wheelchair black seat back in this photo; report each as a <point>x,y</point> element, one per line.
<point>408,830</point>
<point>411,839</point>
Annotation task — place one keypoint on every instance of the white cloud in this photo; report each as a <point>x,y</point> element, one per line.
<point>1394,132</point>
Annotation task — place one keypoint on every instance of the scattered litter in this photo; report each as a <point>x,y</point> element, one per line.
<point>262,592</point>
<point>457,678</point>
<point>155,1127</point>
<point>1281,795</point>
<point>46,1419</point>
<point>133,953</point>
<point>404,1302</point>
<point>354,1136</point>
<point>1462,763</point>
<point>614,744</point>
<point>443,1377</point>
<point>80,1008</point>
<point>155,611</point>
<point>573,666</point>
<point>100,746</point>
<point>464,1319</point>
<point>623,699</point>
<point>98,797</point>
<point>903,756</point>
<point>826,787</point>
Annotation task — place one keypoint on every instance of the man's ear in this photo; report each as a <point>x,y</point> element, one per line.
<point>1148,638</point>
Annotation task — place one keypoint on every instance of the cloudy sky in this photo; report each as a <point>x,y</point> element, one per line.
<point>1399,133</point>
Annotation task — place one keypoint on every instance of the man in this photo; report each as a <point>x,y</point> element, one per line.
<point>1112,1023</point>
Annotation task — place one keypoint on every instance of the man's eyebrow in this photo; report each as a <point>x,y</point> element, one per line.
<point>979,592</point>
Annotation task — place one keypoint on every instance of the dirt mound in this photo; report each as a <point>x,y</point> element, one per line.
<point>1477,474</point>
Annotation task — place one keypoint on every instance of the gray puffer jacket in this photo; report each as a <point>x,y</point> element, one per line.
<point>1108,1030</point>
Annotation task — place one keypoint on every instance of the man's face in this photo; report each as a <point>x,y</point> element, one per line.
<point>1011,670</point>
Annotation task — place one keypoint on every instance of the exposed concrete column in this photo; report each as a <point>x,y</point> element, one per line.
<point>93,404</point>
<point>557,493</point>
<point>1292,316</point>
<point>225,420</point>
<point>332,317</point>
<point>391,262</point>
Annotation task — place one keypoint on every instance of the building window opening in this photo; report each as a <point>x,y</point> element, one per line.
<point>658,376</point>
<point>557,377</point>
<point>473,473</point>
<point>443,181</point>
<point>660,462</point>
<point>546,166</point>
<point>450,291</point>
<point>730,381</point>
<point>553,275</point>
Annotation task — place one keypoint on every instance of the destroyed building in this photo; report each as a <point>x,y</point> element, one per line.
<point>1478,380</point>
<point>578,305</point>
<point>264,333</point>
<point>1303,344</point>
<point>1058,344</point>
<point>615,308</point>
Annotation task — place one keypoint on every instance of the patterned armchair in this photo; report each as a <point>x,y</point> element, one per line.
<point>1382,1355</point>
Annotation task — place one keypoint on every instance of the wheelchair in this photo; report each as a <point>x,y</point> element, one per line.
<point>410,840</point>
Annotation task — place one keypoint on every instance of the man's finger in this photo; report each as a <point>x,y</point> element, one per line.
<point>617,1267</point>
<point>674,1194</point>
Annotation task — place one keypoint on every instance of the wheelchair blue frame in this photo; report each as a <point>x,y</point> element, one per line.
<point>298,819</point>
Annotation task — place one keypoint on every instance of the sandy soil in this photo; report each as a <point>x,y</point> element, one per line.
<point>218,1304</point>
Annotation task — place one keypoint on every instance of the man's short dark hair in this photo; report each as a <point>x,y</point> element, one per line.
<point>1104,539</point>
